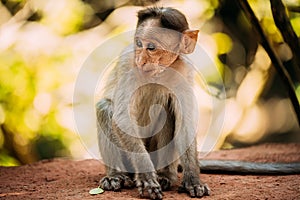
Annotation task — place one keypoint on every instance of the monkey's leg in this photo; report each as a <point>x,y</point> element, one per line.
<point>191,182</point>
<point>167,175</point>
<point>145,174</point>
<point>108,146</point>
<point>186,146</point>
<point>136,153</point>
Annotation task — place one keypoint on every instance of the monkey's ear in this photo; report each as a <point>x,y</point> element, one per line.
<point>188,41</point>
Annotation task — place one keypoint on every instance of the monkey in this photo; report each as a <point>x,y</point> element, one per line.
<point>146,118</point>
<point>139,114</point>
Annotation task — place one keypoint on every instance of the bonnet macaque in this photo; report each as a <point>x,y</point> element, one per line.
<point>146,118</point>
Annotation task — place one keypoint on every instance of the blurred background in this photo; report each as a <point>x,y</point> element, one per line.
<point>43,45</point>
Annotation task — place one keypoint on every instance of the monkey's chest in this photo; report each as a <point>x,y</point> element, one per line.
<point>151,108</point>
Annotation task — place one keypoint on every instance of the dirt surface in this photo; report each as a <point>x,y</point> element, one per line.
<point>67,179</point>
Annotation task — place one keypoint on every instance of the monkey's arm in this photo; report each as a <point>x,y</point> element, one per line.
<point>242,167</point>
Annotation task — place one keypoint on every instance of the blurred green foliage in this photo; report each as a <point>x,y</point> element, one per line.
<point>37,66</point>
<point>30,80</point>
<point>22,122</point>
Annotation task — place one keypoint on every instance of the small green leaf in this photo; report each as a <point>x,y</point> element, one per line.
<point>97,190</point>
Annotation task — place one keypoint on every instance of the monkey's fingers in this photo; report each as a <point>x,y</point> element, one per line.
<point>155,193</point>
<point>111,183</point>
<point>105,184</point>
<point>152,187</point>
<point>139,185</point>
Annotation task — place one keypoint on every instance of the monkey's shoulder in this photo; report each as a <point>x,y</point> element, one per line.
<point>126,59</point>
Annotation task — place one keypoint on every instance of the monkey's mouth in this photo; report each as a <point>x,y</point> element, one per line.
<point>147,71</point>
<point>158,70</point>
<point>152,71</point>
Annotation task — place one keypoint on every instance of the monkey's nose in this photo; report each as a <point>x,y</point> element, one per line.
<point>140,63</point>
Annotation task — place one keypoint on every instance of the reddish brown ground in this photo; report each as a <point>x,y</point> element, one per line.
<point>66,179</point>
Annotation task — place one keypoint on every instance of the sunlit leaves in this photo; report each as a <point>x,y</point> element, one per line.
<point>64,16</point>
<point>296,25</point>
<point>223,42</point>
<point>6,160</point>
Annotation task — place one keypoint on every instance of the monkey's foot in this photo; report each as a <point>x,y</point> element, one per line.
<point>116,182</point>
<point>192,185</point>
<point>148,182</point>
<point>164,182</point>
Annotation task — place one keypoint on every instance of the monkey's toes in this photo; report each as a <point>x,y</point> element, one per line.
<point>151,186</point>
<point>195,188</point>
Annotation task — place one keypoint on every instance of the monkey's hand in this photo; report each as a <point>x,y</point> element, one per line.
<point>148,182</point>
<point>115,182</point>
<point>191,184</point>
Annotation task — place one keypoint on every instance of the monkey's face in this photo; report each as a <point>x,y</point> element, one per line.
<point>155,48</point>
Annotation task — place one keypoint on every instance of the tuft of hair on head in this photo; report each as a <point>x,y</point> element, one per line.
<point>169,18</point>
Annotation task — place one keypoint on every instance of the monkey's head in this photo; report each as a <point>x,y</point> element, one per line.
<point>162,34</point>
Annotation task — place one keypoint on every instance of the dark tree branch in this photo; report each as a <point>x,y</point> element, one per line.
<point>104,8</point>
<point>294,8</point>
<point>283,73</point>
<point>284,25</point>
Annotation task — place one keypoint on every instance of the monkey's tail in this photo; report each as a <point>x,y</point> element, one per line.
<point>241,167</point>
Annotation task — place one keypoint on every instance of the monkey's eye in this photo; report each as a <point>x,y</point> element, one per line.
<point>151,47</point>
<point>139,43</point>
